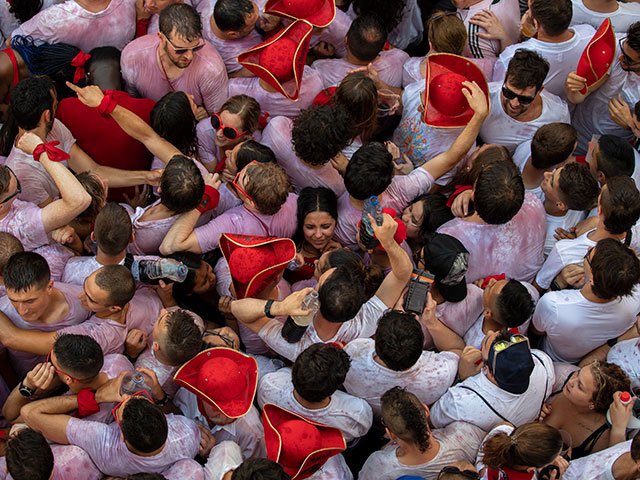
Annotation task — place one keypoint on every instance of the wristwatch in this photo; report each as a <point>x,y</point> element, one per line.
<point>25,391</point>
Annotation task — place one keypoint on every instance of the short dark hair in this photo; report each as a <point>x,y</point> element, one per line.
<point>181,18</point>
<point>615,156</point>
<point>30,98</point>
<point>620,204</point>
<point>514,305</point>
<point>633,36</point>
<point>5,175</point>
<point>399,340</point>
<point>527,69</point>
<point>366,36</point>
<point>112,229</point>
<point>554,15</point>
<point>143,425</point>
<point>230,15</point>
<point>79,356</point>
<point>552,144</point>
<point>320,133</point>
<point>434,212</point>
<point>9,245</point>
<point>172,118</point>
<point>103,54</point>
<point>341,295</point>
<point>615,269</point>
<point>25,270</point>
<point>369,172</point>
<point>498,192</point>
<point>635,447</point>
<point>29,456</point>
<point>252,150</point>
<point>579,190</point>
<point>181,183</point>
<point>118,282</point>
<point>259,469</point>
<point>319,371</point>
<point>182,339</point>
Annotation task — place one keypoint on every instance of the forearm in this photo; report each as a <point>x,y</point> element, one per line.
<point>401,266</point>
<point>617,435</point>
<point>118,178</point>
<point>575,97</point>
<point>12,406</point>
<point>29,341</point>
<point>249,310</point>
<point>445,339</point>
<point>48,416</point>
<point>466,139</point>
<point>176,238</point>
<point>72,193</point>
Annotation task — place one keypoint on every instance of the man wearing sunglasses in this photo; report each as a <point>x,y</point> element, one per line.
<point>519,103</point>
<point>125,446</point>
<point>511,387</point>
<point>611,95</point>
<point>177,58</point>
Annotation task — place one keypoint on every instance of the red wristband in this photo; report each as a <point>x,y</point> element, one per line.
<point>87,404</point>
<point>54,153</point>
<point>459,189</point>
<point>107,105</point>
<point>209,200</point>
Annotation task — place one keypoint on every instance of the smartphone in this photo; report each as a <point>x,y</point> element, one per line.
<point>416,297</point>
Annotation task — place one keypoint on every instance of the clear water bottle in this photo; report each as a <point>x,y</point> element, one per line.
<point>134,382</point>
<point>296,325</point>
<point>371,207</point>
<point>151,271</point>
<point>294,265</point>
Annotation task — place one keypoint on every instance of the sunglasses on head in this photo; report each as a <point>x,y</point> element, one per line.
<point>58,371</point>
<point>465,473</point>
<point>141,393</point>
<point>183,50</point>
<point>229,133</point>
<point>522,99</point>
<point>238,187</point>
<point>502,345</point>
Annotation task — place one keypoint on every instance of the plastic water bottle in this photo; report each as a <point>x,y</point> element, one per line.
<point>293,265</point>
<point>151,271</point>
<point>371,207</point>
<point>634,421</point>
<point>134,382</point>
<point>296,325</point>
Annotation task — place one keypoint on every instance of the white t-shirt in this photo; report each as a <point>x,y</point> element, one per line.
<point>568,220</point>
<point>461,404</point>
<point>621,19</point>
<point>626,355</point>
<point>224,456</point>
<point>350,414</point>
<point>563,253</point>
<point>597,466</point>
<point>500,129</point>
<point>574,326</point>
<point>457,441</point>
<point>563,57</point>
<point>428,379</point>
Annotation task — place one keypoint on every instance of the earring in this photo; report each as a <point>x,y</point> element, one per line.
<point>590,407</point>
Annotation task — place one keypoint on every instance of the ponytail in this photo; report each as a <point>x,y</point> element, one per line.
<point>530,445</point>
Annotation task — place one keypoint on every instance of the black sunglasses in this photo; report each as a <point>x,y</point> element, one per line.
<point>465,473</point>
<point>627,59</point>
<point>510,95</point>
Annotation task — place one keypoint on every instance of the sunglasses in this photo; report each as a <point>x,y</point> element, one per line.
<point>229,133</point>
<point>238,187</point>
<point>183,50</point>
<point>141,393</point>
<point>226,339</point>
<point>523,99</point>
<point>627,59</point>
<point>502,345</point>
<point>465,473</point>
<point>58,371</point>
<point>18,189</point>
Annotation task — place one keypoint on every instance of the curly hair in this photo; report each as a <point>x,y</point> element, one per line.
<point>609,378</point>
<point>405,417</point>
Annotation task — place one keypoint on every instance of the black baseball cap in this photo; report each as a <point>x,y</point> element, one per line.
<point>446,258</point>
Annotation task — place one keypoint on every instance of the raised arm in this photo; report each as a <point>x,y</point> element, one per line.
<point>575,83</point>
<point>444,162</point>
<point>49,416</point>
<point>181,237</point>
<point>30,341</point>
<point>41,379</point>
<point>444,338</point>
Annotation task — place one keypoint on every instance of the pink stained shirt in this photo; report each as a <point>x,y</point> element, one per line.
<point>403,189</point>
<point>144,309</point>
<point>274,102</point>
<point>205,78</point>
<point>57,257</point>
<point>37,185</point>
<point>164,372</point>
<point>242,221</point>
<point>69,463</point>
<point>277,136</point>
<point>334,34</point>
<point>185,469</point>
<point>514,248</point>
<point>388,64</point>
<point>78,269</point>
<point>24,221</point>
<point>108,451</point>
<point>70,23</point>
<point>208,152</point>
<point>22,361</point>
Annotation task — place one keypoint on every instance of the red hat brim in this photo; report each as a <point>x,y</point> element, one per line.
<point>187,377</point>
<point>321,18</point>
<point>332,441</point>
<point>284,251</point>
<point>449,64</point>
<point>300,32</point>
<point>597,58</point>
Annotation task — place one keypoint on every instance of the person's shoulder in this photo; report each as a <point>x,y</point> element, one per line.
<point>210,57</point>
<point>394,54</point>
<point>280,124</point>
<point>360,347</point>
<point>140,45</point>
<point>583,30</point>
<point>114,363</point>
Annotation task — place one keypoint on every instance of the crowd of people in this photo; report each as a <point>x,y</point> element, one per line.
<point>324,239</point>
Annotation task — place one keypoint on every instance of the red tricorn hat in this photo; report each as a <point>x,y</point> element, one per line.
<point>597,58</point>
<point>446,106</point>
<point>280,60</point>
<point>299,445</point>
<point>222,377</point>
<point>319,13</point>
<point>255,262</point>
